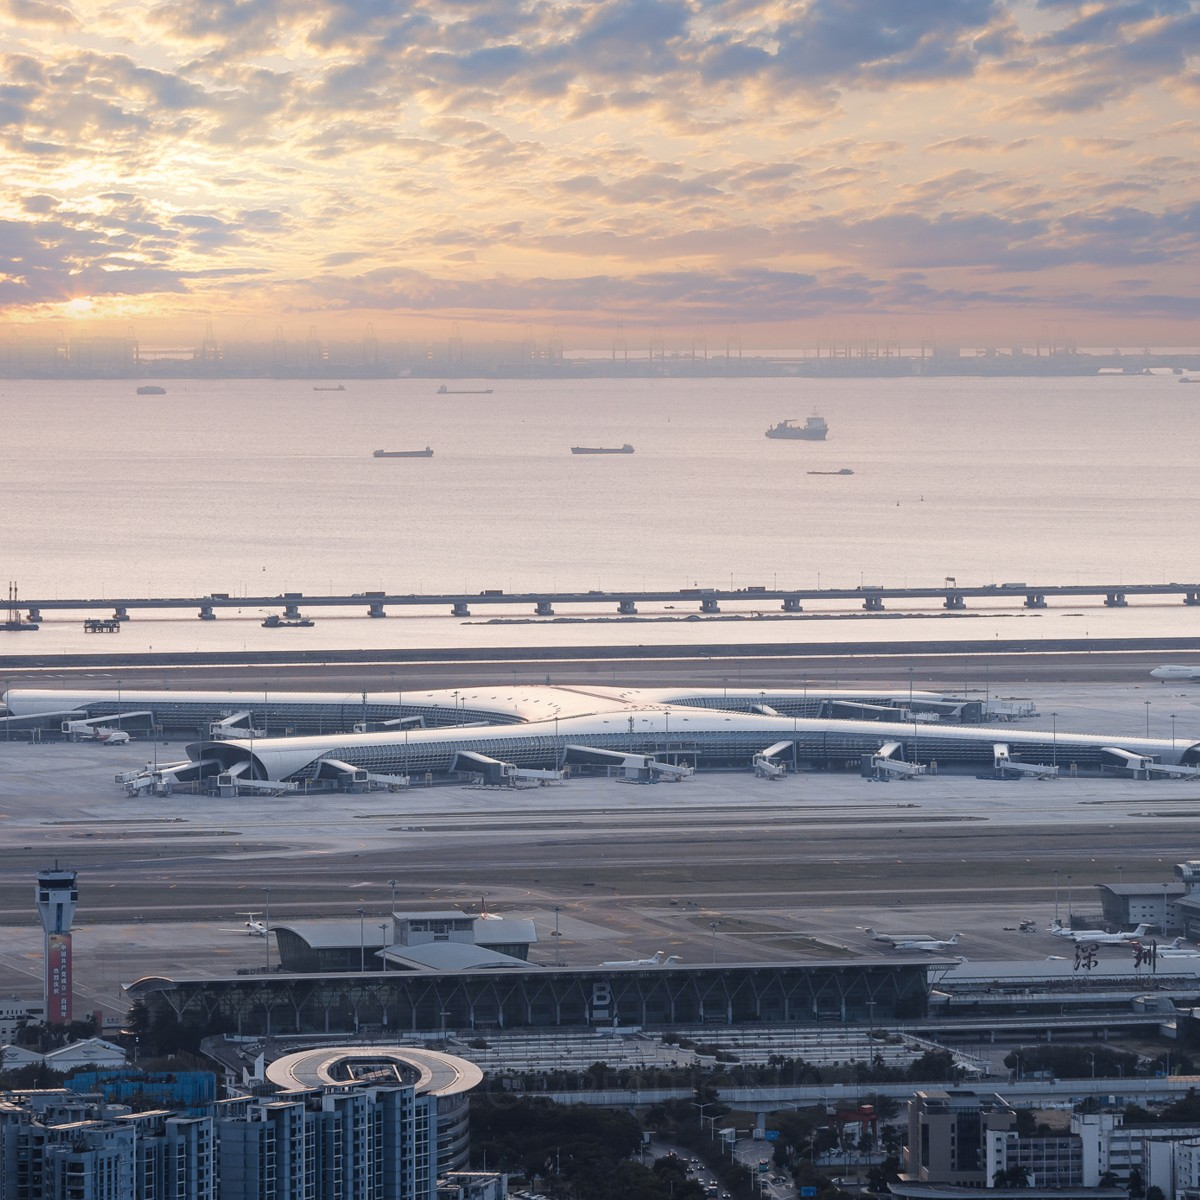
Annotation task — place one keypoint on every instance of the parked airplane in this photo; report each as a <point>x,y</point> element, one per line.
<point>930,945</point>
<point>896,938</point>
<point>1176,671</point>
<point>1099,936</point>
<point>250,927</point>
<point>1178,949</point>
<point>659,959</point>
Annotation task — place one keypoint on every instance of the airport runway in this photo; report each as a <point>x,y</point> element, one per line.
<point>974,673</point>
<point>723,864</point>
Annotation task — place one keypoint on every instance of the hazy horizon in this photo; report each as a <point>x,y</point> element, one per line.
<point>992,172</point>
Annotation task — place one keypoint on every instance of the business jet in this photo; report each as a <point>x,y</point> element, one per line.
<point>929,945</point>
<point>1176,671</point>
<point>1099,936</point>
<point>1178,949</point>
<point>659,959</point>
<point>896,938</point>
<point>250,926</point>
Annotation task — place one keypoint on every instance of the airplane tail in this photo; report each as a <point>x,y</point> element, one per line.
<point>954,940</point>
<point>1141,930</point>
<point>872,934</point>
<point>1177,944</point>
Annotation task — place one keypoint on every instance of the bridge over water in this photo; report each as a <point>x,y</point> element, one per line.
<point>871,597</point>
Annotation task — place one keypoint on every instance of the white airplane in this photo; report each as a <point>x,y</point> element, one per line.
<point>659,959</point>
<point>929,945</point>
<point>1179,672</point>
<point>1178,949</point>
<point>1099,936</point>
<point>250,927</point>
<point>896,938</point>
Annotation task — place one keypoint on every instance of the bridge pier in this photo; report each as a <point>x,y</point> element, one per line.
<point>792,604</point>
<point>460,609</point>
<point>955,600</point>
<point>709,605</point>
<point>291,611</point>
<point>627,607</point>
<point>873,603</point>
<point>206,613</point>
<point>120,614</point>
<point>1191,598</point>
<point>1035,600</point>
<point>1115,600</point>
<point>376,609</point>
<point>544,608</point>
<point>35,615</point>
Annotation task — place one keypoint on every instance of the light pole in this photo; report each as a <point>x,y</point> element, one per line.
<point>1054,739</point>
<point>1147,704</point>
<point>267,925</point>
<point>383,930</point>
<point>1069,900</point>
<point>557,935</point>
<point>712,925</point>
<point>1056,895</point>
<point>392,885</point>
<point>362,941</point>
<point>1172,735</point>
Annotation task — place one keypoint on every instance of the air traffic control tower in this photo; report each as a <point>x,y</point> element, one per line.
<point>56,899</point>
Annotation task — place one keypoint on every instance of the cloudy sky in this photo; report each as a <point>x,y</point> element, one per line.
<point>771,169</point>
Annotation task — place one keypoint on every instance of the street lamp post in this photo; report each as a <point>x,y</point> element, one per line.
<point>1172,735</point>
<point>1054,739</point>
<point>712,925</point>
<point>557,935</point>
<point>1147,704</point>
<point>383,930</point>
<point>267,925</point>
<point>1056,895</point>
<point>362,940</point>
<point>1068,900</point>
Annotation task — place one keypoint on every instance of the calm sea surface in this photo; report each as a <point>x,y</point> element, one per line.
<point>260,487</point>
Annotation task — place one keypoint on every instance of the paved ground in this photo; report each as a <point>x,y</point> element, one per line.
<point>789,868</point>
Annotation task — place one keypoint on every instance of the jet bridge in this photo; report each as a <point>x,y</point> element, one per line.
<point>498,773</point>
<point>633,768</point>
<point>89,726</point>
<point>231,726</point>
<point>1005,764</point>
<point>764,762</point>
<point>1138,764</point>
<point>885,766</point>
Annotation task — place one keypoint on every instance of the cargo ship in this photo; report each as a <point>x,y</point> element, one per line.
<point>814,429</point>
<point>625,449</point>
<point>426,453</point>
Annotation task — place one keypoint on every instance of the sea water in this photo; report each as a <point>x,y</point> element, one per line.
<point>259,487</point>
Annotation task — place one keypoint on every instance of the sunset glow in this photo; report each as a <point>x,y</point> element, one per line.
<point>977,168</point>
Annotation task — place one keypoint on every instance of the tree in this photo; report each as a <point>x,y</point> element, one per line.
<point>1011,1177</point>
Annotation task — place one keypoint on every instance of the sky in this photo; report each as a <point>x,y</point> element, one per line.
<point>772,172</point>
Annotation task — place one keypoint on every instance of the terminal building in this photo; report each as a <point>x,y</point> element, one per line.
<point>509,734</point>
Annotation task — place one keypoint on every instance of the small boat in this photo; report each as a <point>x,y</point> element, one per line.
<point>814,429</point>
<point>275,621</point>
<point>445,391</point>
<point>16,623</point>
<point>1188,379</point>
<point>843,471</point>
<point>625,449</point>
<point>340,388</point>
<point>151,389</point>
<point>426,453</point>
